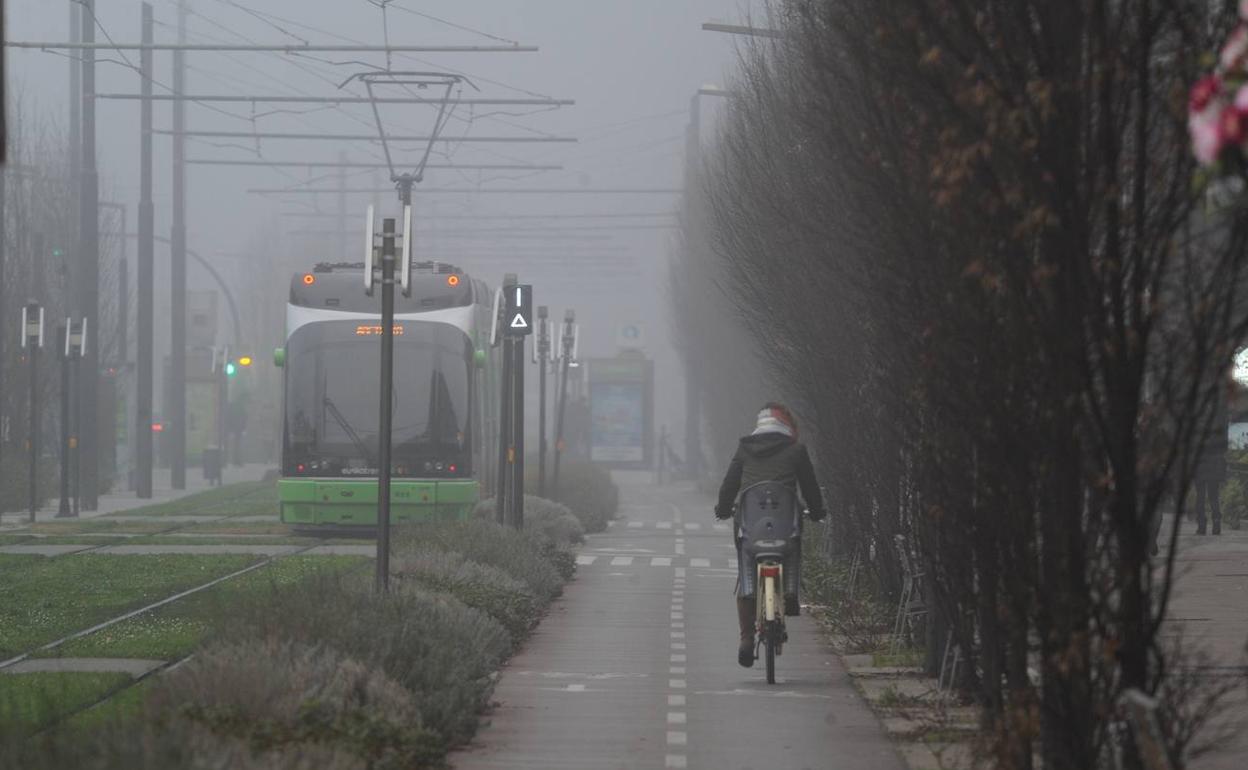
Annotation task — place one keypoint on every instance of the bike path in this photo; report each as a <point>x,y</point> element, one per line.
<point>636,667</point>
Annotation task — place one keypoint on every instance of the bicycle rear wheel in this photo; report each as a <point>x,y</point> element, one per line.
<point>770,653</point>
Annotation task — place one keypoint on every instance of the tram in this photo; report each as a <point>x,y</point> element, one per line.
<point>445,402</point>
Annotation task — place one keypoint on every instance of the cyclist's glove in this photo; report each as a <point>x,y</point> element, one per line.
<point>817,515</point>
<point>723,513</point>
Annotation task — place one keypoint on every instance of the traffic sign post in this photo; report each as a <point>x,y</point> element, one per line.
<point>62,334</point>
<point>516,320</point>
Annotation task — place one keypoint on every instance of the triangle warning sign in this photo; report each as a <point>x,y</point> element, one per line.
<point>518,322</point>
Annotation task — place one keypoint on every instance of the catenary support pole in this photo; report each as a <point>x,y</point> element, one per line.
<point>543,359</point>
<point>61,341</point>
<point>569,322</point>
<point>144,320</point>
<point>176,409</point>
<point>517,472</point>
<point>89,436</point>
<point>33,352</point>
<point>386,398</point>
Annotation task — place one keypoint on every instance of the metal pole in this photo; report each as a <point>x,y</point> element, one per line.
<point>88,378</point>
<point>543,356</point>
<point>144,321</point>
<point>693,413</point>
<point>569,319</point>
<point>176,416</point>
<point>34,429</point>
<point>506,450</point>
<point>517,473</point>
<point>75,435</point>
<point>342,208</point>
<point>386,396</point>
<point>75,91</point>
<point>62,336</point>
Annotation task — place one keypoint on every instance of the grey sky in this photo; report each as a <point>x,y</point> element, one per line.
<point>630,66</point>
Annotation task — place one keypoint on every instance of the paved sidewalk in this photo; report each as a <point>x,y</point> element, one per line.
<point>636,667</point>
<point>116,502</point>
<point>1210,607</point>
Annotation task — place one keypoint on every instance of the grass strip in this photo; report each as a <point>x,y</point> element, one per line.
<point>176,629</point>
<point>31,701</point>
<point>43,599</point>
<point>248,498</point>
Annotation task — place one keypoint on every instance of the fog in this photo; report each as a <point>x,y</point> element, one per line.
<point>631,68</point>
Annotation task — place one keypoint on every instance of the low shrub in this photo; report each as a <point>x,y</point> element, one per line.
<point>545,517</point>
<point>528,557</point>
<point>482,587</point>
<point>588,492</point>
<point>280,697</point>
<point>441,650</point>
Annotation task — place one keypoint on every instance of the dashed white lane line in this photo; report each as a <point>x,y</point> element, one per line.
<point>699,562</point>
<point>675,761</point>
<point>680,572</point>
<point>677,738</point>
<point>664,525</point>
<point>679,659</point>
<point>676,717</point>
<point>621,561</point>
<point>680,548</point>
<point>693,525</point>
<point>636,524</point>
<point>676,700</point>
<point>585,561</point>
<point>661,561</point>
<point>676,684</point>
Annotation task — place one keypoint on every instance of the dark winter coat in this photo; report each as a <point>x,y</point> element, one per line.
<point>770,457</point>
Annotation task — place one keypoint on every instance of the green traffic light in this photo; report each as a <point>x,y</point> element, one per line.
<point>230,369</point>
<point>58,253</point>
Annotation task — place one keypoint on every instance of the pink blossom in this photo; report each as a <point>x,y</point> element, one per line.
<point>1204,91</point>
<point>1206,138</point>
<point>1241,96</point>
<point>1235,48</point>
<point>1232,126</point>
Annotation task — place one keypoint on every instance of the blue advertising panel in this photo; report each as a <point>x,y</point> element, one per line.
<point>621,411</point>
<point>619,422</point>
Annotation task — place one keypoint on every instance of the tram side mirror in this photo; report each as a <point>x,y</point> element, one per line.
<point>279,357</point>
<point>478,358</point>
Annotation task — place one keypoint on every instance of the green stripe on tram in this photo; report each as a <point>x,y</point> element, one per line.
<point>354,502</point>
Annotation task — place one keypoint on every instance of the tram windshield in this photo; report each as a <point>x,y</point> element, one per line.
<point>333,399</point>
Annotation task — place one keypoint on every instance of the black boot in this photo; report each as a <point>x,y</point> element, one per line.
<point>746,620</point>
<point>791,606</point>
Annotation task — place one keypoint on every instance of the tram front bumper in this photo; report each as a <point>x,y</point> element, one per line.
<point>353,502</point>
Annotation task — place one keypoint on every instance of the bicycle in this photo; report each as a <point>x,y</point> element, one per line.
<point>769,520</point>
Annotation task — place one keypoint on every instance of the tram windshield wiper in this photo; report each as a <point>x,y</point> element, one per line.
<point>346,428</point>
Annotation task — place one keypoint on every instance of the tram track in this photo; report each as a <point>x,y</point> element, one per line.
<point>173,529</point>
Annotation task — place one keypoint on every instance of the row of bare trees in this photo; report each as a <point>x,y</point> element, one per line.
<point>38,207</point>
<point>963,239</point>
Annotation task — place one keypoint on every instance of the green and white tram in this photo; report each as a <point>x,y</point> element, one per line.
<point>444,409</point>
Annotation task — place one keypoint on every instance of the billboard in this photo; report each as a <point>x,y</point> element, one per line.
<point>621,406</point>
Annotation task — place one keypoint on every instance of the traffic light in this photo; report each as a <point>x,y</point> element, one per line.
<point>230,369</point>
<point>244,360</point>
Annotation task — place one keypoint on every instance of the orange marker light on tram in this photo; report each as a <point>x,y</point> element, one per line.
<point>308,279</point>
<point>452,280</point>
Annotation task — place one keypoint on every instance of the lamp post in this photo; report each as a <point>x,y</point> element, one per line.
<point>32,342</point>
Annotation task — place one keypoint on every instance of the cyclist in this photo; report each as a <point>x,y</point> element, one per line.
<point>771,453</point>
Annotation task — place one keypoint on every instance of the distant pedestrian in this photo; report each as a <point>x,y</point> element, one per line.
<point>1211,466</point>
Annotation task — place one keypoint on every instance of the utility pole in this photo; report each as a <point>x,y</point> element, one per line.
<point>32,342</point>
<point>89,254</point>
<point>176,409</point>
<point>146,280</point>
<point>386,396</point>
<point>568,345</point>
<point>62,336</point>
<point>543,361</point>
<point>505,449</point>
